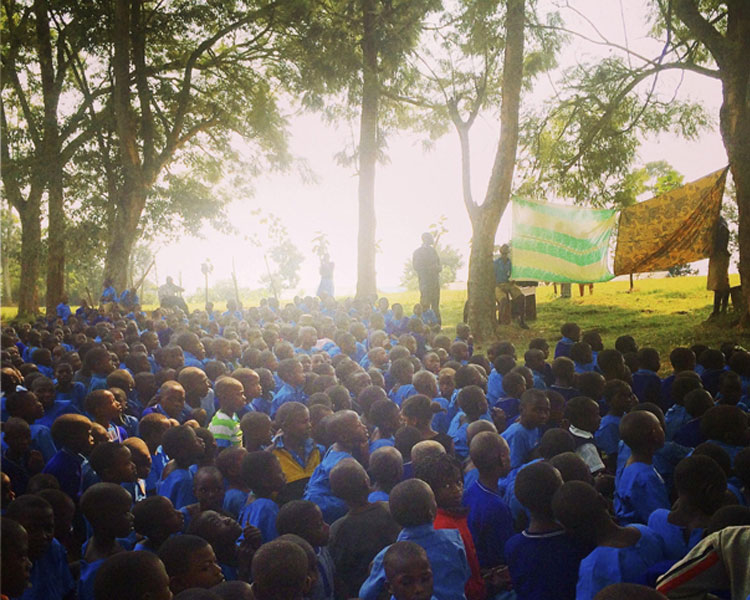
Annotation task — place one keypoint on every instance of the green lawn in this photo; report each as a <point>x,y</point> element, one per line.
<point>662,313</point>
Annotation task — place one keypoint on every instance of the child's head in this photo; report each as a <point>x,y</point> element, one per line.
<point>208,487</point>
<point>514,385</point>
<point>190,562</point>
<point>102,405</point>
<point>730,388</point>
<point>412,503</point>
<point>534,408</point>
<point>156,518</point>
<point>490,454</point>
<point>580,353</point>
<point>294,420</point>
<point>431,362</point>
<point>44,388</point>
<point>194,381</point>
<point>303,518</point>
<point>700,483</point>
<point>17,434</point>
<point>727,424</point>
<point>280,571</point>
<point>579,508</point>
<point>711,359</point>
<point>642,431</point>
<point>36,516</point>
<point>230,394</point>
<point>583,413</point>
<point>291,371</point>
<point>447,382</point>
<point>619,397</point>
<point>73,432</point>
<point>625,344</point>
<point>151,428</point>
<point>183,445</point>
<point>172,398</point>
<point>684,383</point>
<point>535,487</point>
<point>106,506</point>
<point>402,371</point>
<point>386,416</point>
<point>98,360</point>
<point>219,530</point>
<point>261,472</point>
<point>563,370</point>
<point>14,556</point>
<point>345,428</point>
<point>256,429</point>
<point>229,462</point>
<point>418,411</point>
<point>571,331</point>
<point>534,359</point>
<point>113,463</point>
<point>682,359</point>
<point>443,474</point>
<point>648,358</point>
<point>386,467</point>
<point>698,402</point>
<point>350,482</point>
<point>459,351</point>
<point>612,364</point>
<point>250,381</point>
<point>472,401</point>
<point>24,405</point>
<point>408,572</point>
<point>132,576</point>
<point>425,383</point>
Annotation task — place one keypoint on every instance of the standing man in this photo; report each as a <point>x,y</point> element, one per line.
<point>504,286</point>
<point>169,296</point>
<point>718,268</point>
<point>426,263</point>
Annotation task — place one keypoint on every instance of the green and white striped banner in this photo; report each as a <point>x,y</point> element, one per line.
<point>558,243</point>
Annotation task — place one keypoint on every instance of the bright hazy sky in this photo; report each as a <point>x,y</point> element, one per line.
<point>415,188</point>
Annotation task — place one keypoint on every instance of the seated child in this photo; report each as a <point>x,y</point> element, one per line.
<point>620,400</point>
<point>349,436</point>
<point>67,390</point>
<point>229,462</point>
<point>386,417</point>
<point>583,415</point>
<point>489,519</point>
<point>420,411</point>
<point>131,576</point>
<point>208,488</point>
<point>26,406</point>
<point>364,531</point>
<point>514,385</point>
<point>305,519</point>
<point>256,431</point>
<point>677,415</point>
<point>198,392</point>
<point>50,577</point>
<point>726,426</point>
<point>612,365</point>
<point>544,546</point>
<point>563,371</point>
<point>141,458</point>
<point>473,405</point>
<point>103,408</point>
<point>524,435</point>
<point>106,507</point>
<point>190,563</point>
<point>696,404</point>
<point>408,572</point>
<point>682,359</point>
<point>443,474</point>
<point>182,445</point>
<point>402,372</point>
<point>582,357</point>
<point>223,533</point>
<point>262,474</point>
<point>413,506</point>
<point>19,462</point>
<point>98,362</point>
<point>113,463</point>
<point>14,556</point>
<point>279,570</point>
<point>571,333</point>
<point>640,490</point>
<point>621,554</point>
<point>646,382</point>
<point>171,402</point>
<point>225,425</point>
<point>151,428</point>
<point>294,447</point>
<point>72,434</point>
<point>386,470</point>
<point>156,520</point>
<point>701,487</point>
<point>292,375</point>
<point>44,389</point>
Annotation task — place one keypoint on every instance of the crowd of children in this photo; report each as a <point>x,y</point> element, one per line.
<point>330,450</point>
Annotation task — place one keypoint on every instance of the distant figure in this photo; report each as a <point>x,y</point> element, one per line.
<point>169,295</point>
<point>108,297</point>
<point>426,263</point>
<point>504,287</point>
<point>326,277</point>
<point>718,268</point>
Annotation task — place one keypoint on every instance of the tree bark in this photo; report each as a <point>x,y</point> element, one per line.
<point>368,153</point>
<point>486,217</point>
<point>31,246</point>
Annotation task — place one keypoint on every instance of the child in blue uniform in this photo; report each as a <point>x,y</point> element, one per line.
<point>190,563</point>
<point>543,559</point>
<point>292,375</point>
<point>583,415</point>
<point>386,470</point>
<point>514,385</point>
<point>386,417</point>
<point>156,520</point>
<point>72,434</point>
<point>620,400</point>
<point>183,446</point>
<point>524,435</point>
<point>132,576</point>
<point>640,490</point>
<point>621,554</point>
<point>571,333</point>
<point>646,382</point>
<point>229,462</point>
<point>473,405</point>
<point>261,473</point>
<point>26,406</point>
<point>564,373</point>
<point>402,372</point>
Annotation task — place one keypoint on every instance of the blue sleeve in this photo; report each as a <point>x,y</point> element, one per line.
<point>267,524</point>
<point>375,581</point>
<point>494,386</point>
<point>44,443</point>
<point>649,494</point>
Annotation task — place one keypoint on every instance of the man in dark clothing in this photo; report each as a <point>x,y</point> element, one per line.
<point>426,263</point>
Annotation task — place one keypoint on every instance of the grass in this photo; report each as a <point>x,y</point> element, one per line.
<point>661,313</point>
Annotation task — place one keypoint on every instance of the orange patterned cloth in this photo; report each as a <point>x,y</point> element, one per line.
<point>671,229</point>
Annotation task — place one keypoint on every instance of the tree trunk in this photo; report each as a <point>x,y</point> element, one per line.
<point>123,237</point>
<point>368,153</point>
<point>31,246</point>
<point>486,218</point>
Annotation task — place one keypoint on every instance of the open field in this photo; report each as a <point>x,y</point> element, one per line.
<point>662,313</point>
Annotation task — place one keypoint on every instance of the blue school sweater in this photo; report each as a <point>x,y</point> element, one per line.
<point>178,487</point>
<point>60,407</point>
<point>607,437</point>
<point>234,502</point>
<point>521,441</point>
<point>607,565</point>
<point>494,387</point>
<point>544,565</point>
<point>74,395</point>
<point>398,395</point>
<point>562,348</point>
<point>647,386</point>
<point>675,418</point>
<point>639,491</point>
<point>287,393</point>
<point>51,578</point>
<point>66,466</point>
<point>673,537</point>
<point>318,489</point>
<point>446,553</point>
<point>490,523</point>
<point>261,513</point>
<point>87,577</point>
<point>510,406</point>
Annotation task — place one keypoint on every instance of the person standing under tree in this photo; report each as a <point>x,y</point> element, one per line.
<point>426,263</point>
<point>718,268</point>
<point>326,276</point>
<point>504,286</point>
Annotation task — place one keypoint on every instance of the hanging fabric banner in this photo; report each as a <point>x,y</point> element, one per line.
<point>671,229</point>
<point>558,243</point>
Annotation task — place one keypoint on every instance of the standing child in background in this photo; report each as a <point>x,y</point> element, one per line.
<point>262,474</point>
<point>229,462</point>
<point>646,382</point>
<point>620,400</point>
<point>225,425</point>
<point>104,409</point>
<point>292,375</point>
<point>583,415</point>
<point>185,448</point>
<point>640,490</point>
<point>571,333</point>
<point>524,435</point>
<point>622,554</point>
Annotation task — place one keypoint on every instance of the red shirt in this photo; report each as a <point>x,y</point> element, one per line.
<point>475,589</point>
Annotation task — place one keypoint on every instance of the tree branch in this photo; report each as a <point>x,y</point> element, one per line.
<point>687,11</point>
